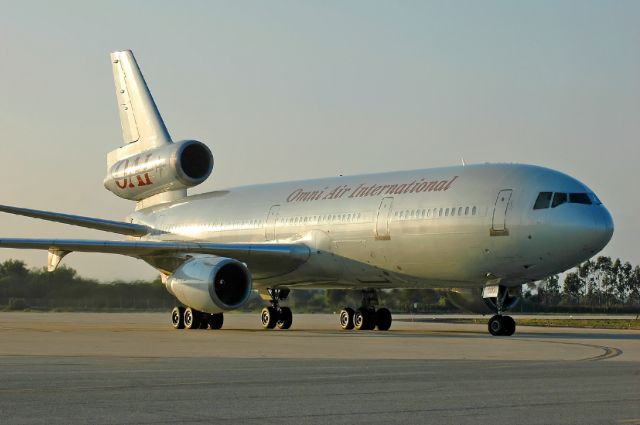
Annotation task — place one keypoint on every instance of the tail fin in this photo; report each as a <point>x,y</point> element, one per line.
<point>142,125</point>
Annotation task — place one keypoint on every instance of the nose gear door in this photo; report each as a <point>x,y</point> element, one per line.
<point>499,221</point>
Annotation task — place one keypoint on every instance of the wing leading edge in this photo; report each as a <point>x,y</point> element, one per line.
<point>122,228</point>
<point>264,260</point>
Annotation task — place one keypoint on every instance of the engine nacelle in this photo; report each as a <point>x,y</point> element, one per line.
<point>211,284</point>
<point>173,167</point>
<point>470,300</point>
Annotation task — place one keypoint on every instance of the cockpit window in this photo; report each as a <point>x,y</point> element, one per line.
<point>595,199</point>
<point>558,199</point>
<point>543,201</point>
<point>579,198</point>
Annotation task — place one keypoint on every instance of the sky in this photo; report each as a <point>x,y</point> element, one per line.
<point>286,90</point>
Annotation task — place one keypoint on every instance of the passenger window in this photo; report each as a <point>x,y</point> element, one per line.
<point>440,212</point>
<point>466,211</point>
<point>460,211</point>
<point>453,212</point>
<point>473,211</point>
<point>579,198</point>
<point>558,199</point>
<point>542,201</point>
<point>446,212</point>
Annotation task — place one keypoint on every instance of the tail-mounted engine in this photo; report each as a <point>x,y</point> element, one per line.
<point>211,284</point>
<point>176,166</point>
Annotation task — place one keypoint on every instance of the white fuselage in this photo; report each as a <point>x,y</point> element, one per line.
<point>444,227</point>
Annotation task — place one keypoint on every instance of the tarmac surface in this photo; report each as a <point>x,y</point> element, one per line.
<point>118,368</point>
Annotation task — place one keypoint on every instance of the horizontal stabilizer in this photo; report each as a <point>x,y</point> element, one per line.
<point>119,227</point>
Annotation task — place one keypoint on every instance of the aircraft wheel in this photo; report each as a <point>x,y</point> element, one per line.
<point>216,320</point>
<point>383,319</point>
<point>346,318</point>
<point>177,318</point>
<point>269,317</point>
<point>203,318</point>
<point>191,318</point>
<point>509,325</point>
<point>364,319</point>
<point>285,318</point>
<point>497,325</point>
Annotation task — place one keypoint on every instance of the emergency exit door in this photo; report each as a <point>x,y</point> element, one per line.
<point>270,224</point>
<point>382,219</point>
<point>500,210</point>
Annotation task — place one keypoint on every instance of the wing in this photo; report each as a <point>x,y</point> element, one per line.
<point>122,228</point>
<point>263,259</point>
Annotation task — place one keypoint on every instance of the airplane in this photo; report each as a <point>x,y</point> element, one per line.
<point>476,232</point>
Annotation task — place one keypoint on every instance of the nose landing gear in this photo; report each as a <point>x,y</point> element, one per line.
<point>500,325</point>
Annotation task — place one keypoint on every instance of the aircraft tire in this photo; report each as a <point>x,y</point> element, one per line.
<point>509,325</point>
<point>383,319</point>
<point>496,325</point>
<point>216,321</point>
<point>203,318</point>
<point>364,319</point>
<point>177,318</point>
<point>285,318</point>
<point>191,318</point>
<point>269,317</point>
<point>346,318</point>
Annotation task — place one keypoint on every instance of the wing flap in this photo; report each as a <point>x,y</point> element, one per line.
<point>263,260</point>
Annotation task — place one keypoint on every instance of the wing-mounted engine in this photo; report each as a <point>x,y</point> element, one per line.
<point>211,284</point>
<point>176,166</point>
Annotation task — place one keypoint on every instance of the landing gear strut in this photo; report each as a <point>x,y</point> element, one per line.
<point>500,325</point>
<point>190,318</point>
<point>275,315</point>
<point>366,317</point>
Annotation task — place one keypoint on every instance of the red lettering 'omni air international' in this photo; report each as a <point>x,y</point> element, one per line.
<point>371,190</point>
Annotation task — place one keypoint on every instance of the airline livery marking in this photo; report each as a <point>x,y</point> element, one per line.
<point>364,190</point>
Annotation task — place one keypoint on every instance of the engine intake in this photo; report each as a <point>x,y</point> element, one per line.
<point>173,167</point>
<point>211,284</point>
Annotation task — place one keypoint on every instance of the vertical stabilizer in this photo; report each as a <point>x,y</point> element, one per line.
<point>141,122</point>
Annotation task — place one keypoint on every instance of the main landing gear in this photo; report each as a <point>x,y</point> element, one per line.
<point>500,325</point>
<point>275,315</point>
<point>190,318</point>
<point>366,317</point>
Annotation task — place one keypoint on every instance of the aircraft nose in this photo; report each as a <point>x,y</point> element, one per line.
<point>585,231</point>
<point>603,228</point>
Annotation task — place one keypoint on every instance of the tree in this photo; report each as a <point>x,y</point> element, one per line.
<point>573,287</point>
<point>549,291</point>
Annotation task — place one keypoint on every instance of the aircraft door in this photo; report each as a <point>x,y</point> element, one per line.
<point>382,219</point>
<point>499,221</point>
<point>270,224</point>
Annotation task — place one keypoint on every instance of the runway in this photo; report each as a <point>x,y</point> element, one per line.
<point>133,368</point>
